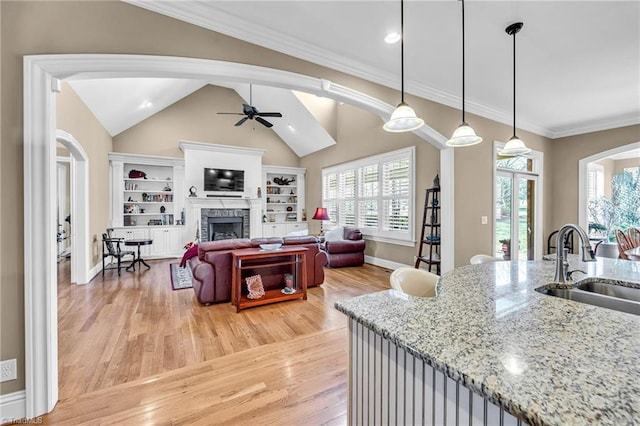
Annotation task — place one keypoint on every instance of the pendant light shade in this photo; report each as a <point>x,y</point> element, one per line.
<point>514,146</point>
<point>403,118</point>
<point>464,135</point>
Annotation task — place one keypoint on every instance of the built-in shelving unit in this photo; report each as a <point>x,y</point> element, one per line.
<point>149,206</point>
<point>283,205</point>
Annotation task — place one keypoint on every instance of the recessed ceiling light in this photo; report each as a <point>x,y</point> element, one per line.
<point>146,104</point>
<point>392,37</point>
<point>293,129</point>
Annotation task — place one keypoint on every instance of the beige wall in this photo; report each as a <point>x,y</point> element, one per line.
<point>116,27</point>
<point>195,118</point>
<point>564,155</point>
<point>362,140</point>
<point>607,173</point>
<point>620,165</point>
<point>75,118</point>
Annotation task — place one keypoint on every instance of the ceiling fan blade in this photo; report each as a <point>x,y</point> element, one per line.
<point>231,113</point>
<point>269,114</point>
<point>263,121</point>
<point>242,120</point>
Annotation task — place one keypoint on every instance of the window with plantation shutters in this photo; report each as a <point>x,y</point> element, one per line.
<point>375,194</point>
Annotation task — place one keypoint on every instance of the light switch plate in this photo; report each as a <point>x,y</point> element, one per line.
<point>484,220</point>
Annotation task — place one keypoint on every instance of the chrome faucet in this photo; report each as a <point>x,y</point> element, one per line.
<point>562,265</point>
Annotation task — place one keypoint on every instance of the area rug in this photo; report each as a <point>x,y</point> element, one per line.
<point>180,277</point>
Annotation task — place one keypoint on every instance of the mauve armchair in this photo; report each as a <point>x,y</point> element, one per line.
<point>347,251</point>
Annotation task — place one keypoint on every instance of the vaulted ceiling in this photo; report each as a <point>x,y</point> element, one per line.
<point>578,62</point>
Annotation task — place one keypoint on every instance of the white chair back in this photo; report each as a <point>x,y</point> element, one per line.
<point>415,282</point>
<point>483,258</point>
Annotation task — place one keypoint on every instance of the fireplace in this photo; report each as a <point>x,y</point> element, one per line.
<point>224,224</point>
<point>224,228</point>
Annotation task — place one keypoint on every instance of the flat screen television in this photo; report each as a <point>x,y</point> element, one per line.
<point>223,180</point>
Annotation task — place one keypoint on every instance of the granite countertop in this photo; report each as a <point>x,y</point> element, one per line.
<point>544,359</point>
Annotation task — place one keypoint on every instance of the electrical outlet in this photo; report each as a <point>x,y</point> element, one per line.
<point>8,370</point>
<point>484,220</point>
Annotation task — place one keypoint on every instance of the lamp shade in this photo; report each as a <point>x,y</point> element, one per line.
<point>464,136</point>
<point>514,147</point>
<point>321,214</point>
<point>403,119</point>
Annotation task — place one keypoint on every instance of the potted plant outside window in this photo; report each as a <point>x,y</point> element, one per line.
<point>506,248</point>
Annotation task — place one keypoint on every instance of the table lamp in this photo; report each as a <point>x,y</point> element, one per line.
<point>321,214</point>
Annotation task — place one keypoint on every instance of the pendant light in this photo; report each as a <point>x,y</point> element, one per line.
<point>515,146</point>
<point>403,118</point>
<point>464,135</point>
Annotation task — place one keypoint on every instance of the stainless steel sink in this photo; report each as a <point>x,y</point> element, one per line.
<point>602,294</point>
<point>612,290</point>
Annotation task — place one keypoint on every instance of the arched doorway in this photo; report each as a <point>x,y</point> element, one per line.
<point>40,75</point>
<point>79,207</point>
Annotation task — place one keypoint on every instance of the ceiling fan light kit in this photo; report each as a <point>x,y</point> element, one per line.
<point>514,146</point>
<point>403,118</point>
<point>464,135</point>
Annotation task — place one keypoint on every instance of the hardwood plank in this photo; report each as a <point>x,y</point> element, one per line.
<point>132,350</point>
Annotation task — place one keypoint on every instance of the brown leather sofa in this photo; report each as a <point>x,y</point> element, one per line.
<point>211,269</point>
<point>349,251</point>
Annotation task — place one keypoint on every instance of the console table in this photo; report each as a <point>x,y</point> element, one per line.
<point>251,260</point>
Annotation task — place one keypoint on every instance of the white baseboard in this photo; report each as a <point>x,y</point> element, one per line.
<point>13,406</point>
<point>383,263</point>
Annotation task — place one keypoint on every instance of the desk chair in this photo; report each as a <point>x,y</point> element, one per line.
<point>111,248</point>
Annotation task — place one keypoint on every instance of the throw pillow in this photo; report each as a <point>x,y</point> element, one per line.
<point>255,287</point>
<point>336,234</point>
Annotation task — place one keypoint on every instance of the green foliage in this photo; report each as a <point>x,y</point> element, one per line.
<point>621,211</point>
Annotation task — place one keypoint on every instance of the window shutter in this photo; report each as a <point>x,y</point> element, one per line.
<point>396,185</point>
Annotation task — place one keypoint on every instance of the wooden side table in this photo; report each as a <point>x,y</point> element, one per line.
<point>254,259</point>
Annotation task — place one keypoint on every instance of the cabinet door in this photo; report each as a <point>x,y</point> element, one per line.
<point>166,242</point>
<point>158,248</point>
<point>174,242</point>
<point>274,230</point>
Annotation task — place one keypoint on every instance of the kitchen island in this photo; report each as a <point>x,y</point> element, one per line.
<point>489,349</point>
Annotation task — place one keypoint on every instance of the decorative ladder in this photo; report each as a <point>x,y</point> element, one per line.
<point>430,236</point>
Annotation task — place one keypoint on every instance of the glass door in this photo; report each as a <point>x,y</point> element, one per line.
<point>515,215</point>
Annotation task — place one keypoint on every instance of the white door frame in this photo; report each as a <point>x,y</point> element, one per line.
<point>40,75</point>
<point>538,164</point>
<point>582,178</point>
<point>80,268</point>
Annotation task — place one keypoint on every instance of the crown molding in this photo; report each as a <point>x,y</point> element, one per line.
<point>608,124</point>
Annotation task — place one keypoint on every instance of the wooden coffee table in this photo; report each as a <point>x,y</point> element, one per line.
<point>254,259</point>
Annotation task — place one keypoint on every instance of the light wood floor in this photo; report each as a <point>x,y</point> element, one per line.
<point>133,351</point>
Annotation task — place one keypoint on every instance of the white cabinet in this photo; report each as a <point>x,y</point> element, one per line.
<point>166,242</point>
<point>149,206</point>
<point>274,230</point>
<point>283,200</point>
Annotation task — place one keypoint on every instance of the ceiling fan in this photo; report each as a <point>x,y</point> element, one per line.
<point>251,112</point>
